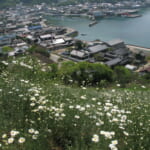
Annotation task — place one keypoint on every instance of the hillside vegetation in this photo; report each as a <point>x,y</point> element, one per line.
<point>39,112</point>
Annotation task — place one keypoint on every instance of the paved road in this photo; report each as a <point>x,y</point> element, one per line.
<point>54,57</point>
<point>137,48</point>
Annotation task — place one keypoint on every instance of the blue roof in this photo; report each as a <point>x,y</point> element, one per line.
<point>8,36</point>
<point>98,13</point>
<point>35,27</point>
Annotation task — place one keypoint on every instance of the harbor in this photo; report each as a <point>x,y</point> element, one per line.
<point>131,30</point>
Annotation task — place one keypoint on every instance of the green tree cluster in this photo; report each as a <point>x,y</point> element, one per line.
<point>89,74</point>
<point>123,75</point>
<point>7,49</point>
<point>40,50</point>
<point>84,73</point>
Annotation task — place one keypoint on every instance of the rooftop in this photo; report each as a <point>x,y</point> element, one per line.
<point>121,51</point>
<point>113,62</point>
<point>79,54</point>
<point>58,41</point>
<point>115,42</point>
<point>97,48</point>
<point>45,36</point>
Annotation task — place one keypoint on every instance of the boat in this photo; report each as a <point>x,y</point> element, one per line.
<point>133,16</point>
<point>83,34</point>
<point>93,23</point>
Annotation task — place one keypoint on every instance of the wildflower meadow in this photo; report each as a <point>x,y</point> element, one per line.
<point>38,113</point>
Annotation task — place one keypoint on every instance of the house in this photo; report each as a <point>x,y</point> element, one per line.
<point>6,39</point>
<point>110,55</point>
<point>36,27</point>
<point>1,24</point>
<point>98,14</point>
<point>68,40</point>
<point>116,43</point>
<point>125,61</point>
<point>79,54</point>
<point>121,52</point>
<point>58,41</point>
<point>21,30</point>
<point>60,31</point>
<point>11,27</point>
<point>46,37</point>
<point>20,44</point>
<point>30,38</point>
<point>97,48</point>
<point>130,67</point>
<point>113,62</point>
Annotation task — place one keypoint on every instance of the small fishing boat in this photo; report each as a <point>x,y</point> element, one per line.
<point>133,16</point>
<point>83,34</point>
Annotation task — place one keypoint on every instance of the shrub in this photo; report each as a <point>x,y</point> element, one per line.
<point>123,75</point>
<point>146,77</point>
<point>85,73</point>
<point>98,57</point>
<point>79,45</point>
<point>40,50</point>
<point>3,66</point>
<point>7,49</point>
<point>103,83</point>
<point>54,70</point>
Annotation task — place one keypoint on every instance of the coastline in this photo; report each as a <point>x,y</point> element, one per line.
<point>108,28</point>
<point>71,32</point>
<point>74,32</point>
<point>135,48</point>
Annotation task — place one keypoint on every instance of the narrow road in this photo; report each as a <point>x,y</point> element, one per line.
<point>138,48</point>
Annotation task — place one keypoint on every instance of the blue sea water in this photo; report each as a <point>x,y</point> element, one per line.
<point>134,31</point>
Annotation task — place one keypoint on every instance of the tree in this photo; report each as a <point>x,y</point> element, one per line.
<point>40,50</point>
<point>84,73</point>
<point>98,57</point>
<point>123,75</point>
<point>79,45</point>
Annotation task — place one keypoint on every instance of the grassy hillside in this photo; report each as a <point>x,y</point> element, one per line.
<point>37,112</point>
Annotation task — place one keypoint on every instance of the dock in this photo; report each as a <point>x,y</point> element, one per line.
<point>71,32</point>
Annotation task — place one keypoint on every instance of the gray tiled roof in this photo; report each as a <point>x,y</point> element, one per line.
<point>115,42</point>
<point>97,48</point>
<point>113,62</point>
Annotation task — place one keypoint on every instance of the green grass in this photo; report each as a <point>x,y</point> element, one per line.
<point>7,49</point>
<point>52,116</point>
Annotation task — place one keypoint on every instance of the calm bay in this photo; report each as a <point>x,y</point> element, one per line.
<point>134,31</point>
